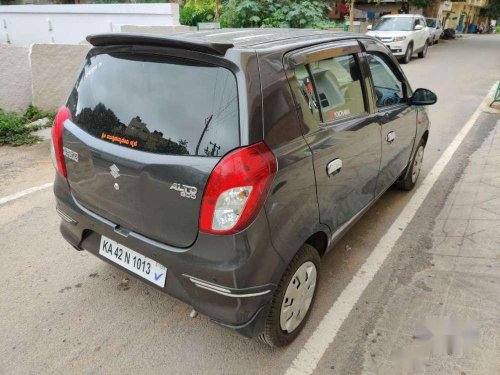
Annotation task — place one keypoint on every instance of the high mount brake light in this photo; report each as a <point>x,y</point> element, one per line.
<point>237,189</point>
<point>57,140</point>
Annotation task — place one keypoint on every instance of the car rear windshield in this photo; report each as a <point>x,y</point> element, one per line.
<point>157,104</point>
<point>394,24</point>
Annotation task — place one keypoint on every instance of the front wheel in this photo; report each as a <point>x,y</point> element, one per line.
<point>424,51</point>
<point>292,299</point>
<point>409,51</point>
<point>408,183</point>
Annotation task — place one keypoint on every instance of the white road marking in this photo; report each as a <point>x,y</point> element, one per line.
<point>23,193</point>
<point>310,355</point>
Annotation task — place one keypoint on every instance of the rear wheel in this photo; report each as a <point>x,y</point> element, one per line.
<point>411,177</point>
<point>407,57</point>
<point>292,299</point>
<point>424,51</point>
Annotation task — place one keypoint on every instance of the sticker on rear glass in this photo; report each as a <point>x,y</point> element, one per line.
<point>121,140</point>
<point>91,70</point>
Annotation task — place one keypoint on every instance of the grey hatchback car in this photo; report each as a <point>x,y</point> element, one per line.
<point>220,166</point>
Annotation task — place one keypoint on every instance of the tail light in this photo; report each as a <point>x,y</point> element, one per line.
<point>57,140</point>
<point>236,189</point>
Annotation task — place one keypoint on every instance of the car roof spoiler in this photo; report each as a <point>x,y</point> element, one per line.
<point>172,41</point>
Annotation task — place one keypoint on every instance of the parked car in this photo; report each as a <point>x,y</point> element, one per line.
<point>435,29</point>
<point>404,34</point>
<point>220,167</point>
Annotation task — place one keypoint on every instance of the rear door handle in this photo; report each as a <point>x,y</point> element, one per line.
<point>391,136</point>
<point>334,167</point>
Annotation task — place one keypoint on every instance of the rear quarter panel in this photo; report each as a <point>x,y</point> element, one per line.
<point>292,206</point>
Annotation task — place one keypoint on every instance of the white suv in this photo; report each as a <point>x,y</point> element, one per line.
<point>404,34</point>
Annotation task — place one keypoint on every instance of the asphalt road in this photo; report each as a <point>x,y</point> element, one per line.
<point>63,311</point>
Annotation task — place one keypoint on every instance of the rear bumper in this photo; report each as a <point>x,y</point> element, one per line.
<point>231,279</point>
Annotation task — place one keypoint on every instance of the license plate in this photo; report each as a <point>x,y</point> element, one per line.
<point>133,261</point>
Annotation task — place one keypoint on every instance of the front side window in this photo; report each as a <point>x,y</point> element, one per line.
<point>388,87</point>
<point>338,85</point>
<point>157,104</point>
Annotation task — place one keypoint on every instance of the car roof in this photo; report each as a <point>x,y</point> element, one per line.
<point>402,15</point>
<point>261,36</point>
<point>219,41</point>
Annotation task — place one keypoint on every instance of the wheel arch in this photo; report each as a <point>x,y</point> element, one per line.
<point>425,137</point>
<point>318,240</point>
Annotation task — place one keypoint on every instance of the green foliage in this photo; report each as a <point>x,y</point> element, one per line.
<point>326,25</point>
<point>13,130</point>
<point>273,13</point>
<point>111,1</point>
<point>492,10</point>
<point>33,113</point>
<point>420,3</point>
<point>195,11</point>
<point>307,13</point>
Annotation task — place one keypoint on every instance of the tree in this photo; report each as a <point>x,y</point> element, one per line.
<point>419,4</point>
<point>492,10</point>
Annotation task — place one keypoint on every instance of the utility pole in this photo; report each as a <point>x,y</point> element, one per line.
<point>207,122</point>
<point>217,5</point>
<point>351,17</point>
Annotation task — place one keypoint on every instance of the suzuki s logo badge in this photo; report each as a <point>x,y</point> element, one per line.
<point>185,191</point>
<point>114,171</point>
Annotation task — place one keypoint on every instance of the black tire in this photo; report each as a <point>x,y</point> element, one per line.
<point>409,181</point>
<point>409,52</point>
<point>436,41</point>
<point>272,334</point>
<point>423,53</point>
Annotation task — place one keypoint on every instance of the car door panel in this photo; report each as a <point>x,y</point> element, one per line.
<point>400,123</point>
<point>396,118</point>
<point>356,144</point>
<point>346,146</point>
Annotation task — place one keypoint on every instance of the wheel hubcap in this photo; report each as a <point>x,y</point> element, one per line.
<point>417,164</point>
<point>298,297</point>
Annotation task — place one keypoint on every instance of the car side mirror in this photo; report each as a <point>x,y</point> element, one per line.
<point>369,27</point>
<point>423,97</point>
<point>418,27</point>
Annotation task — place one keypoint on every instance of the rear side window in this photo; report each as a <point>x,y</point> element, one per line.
<point>157,104</point>
<point>306,97</point>
<point>338,87</point>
